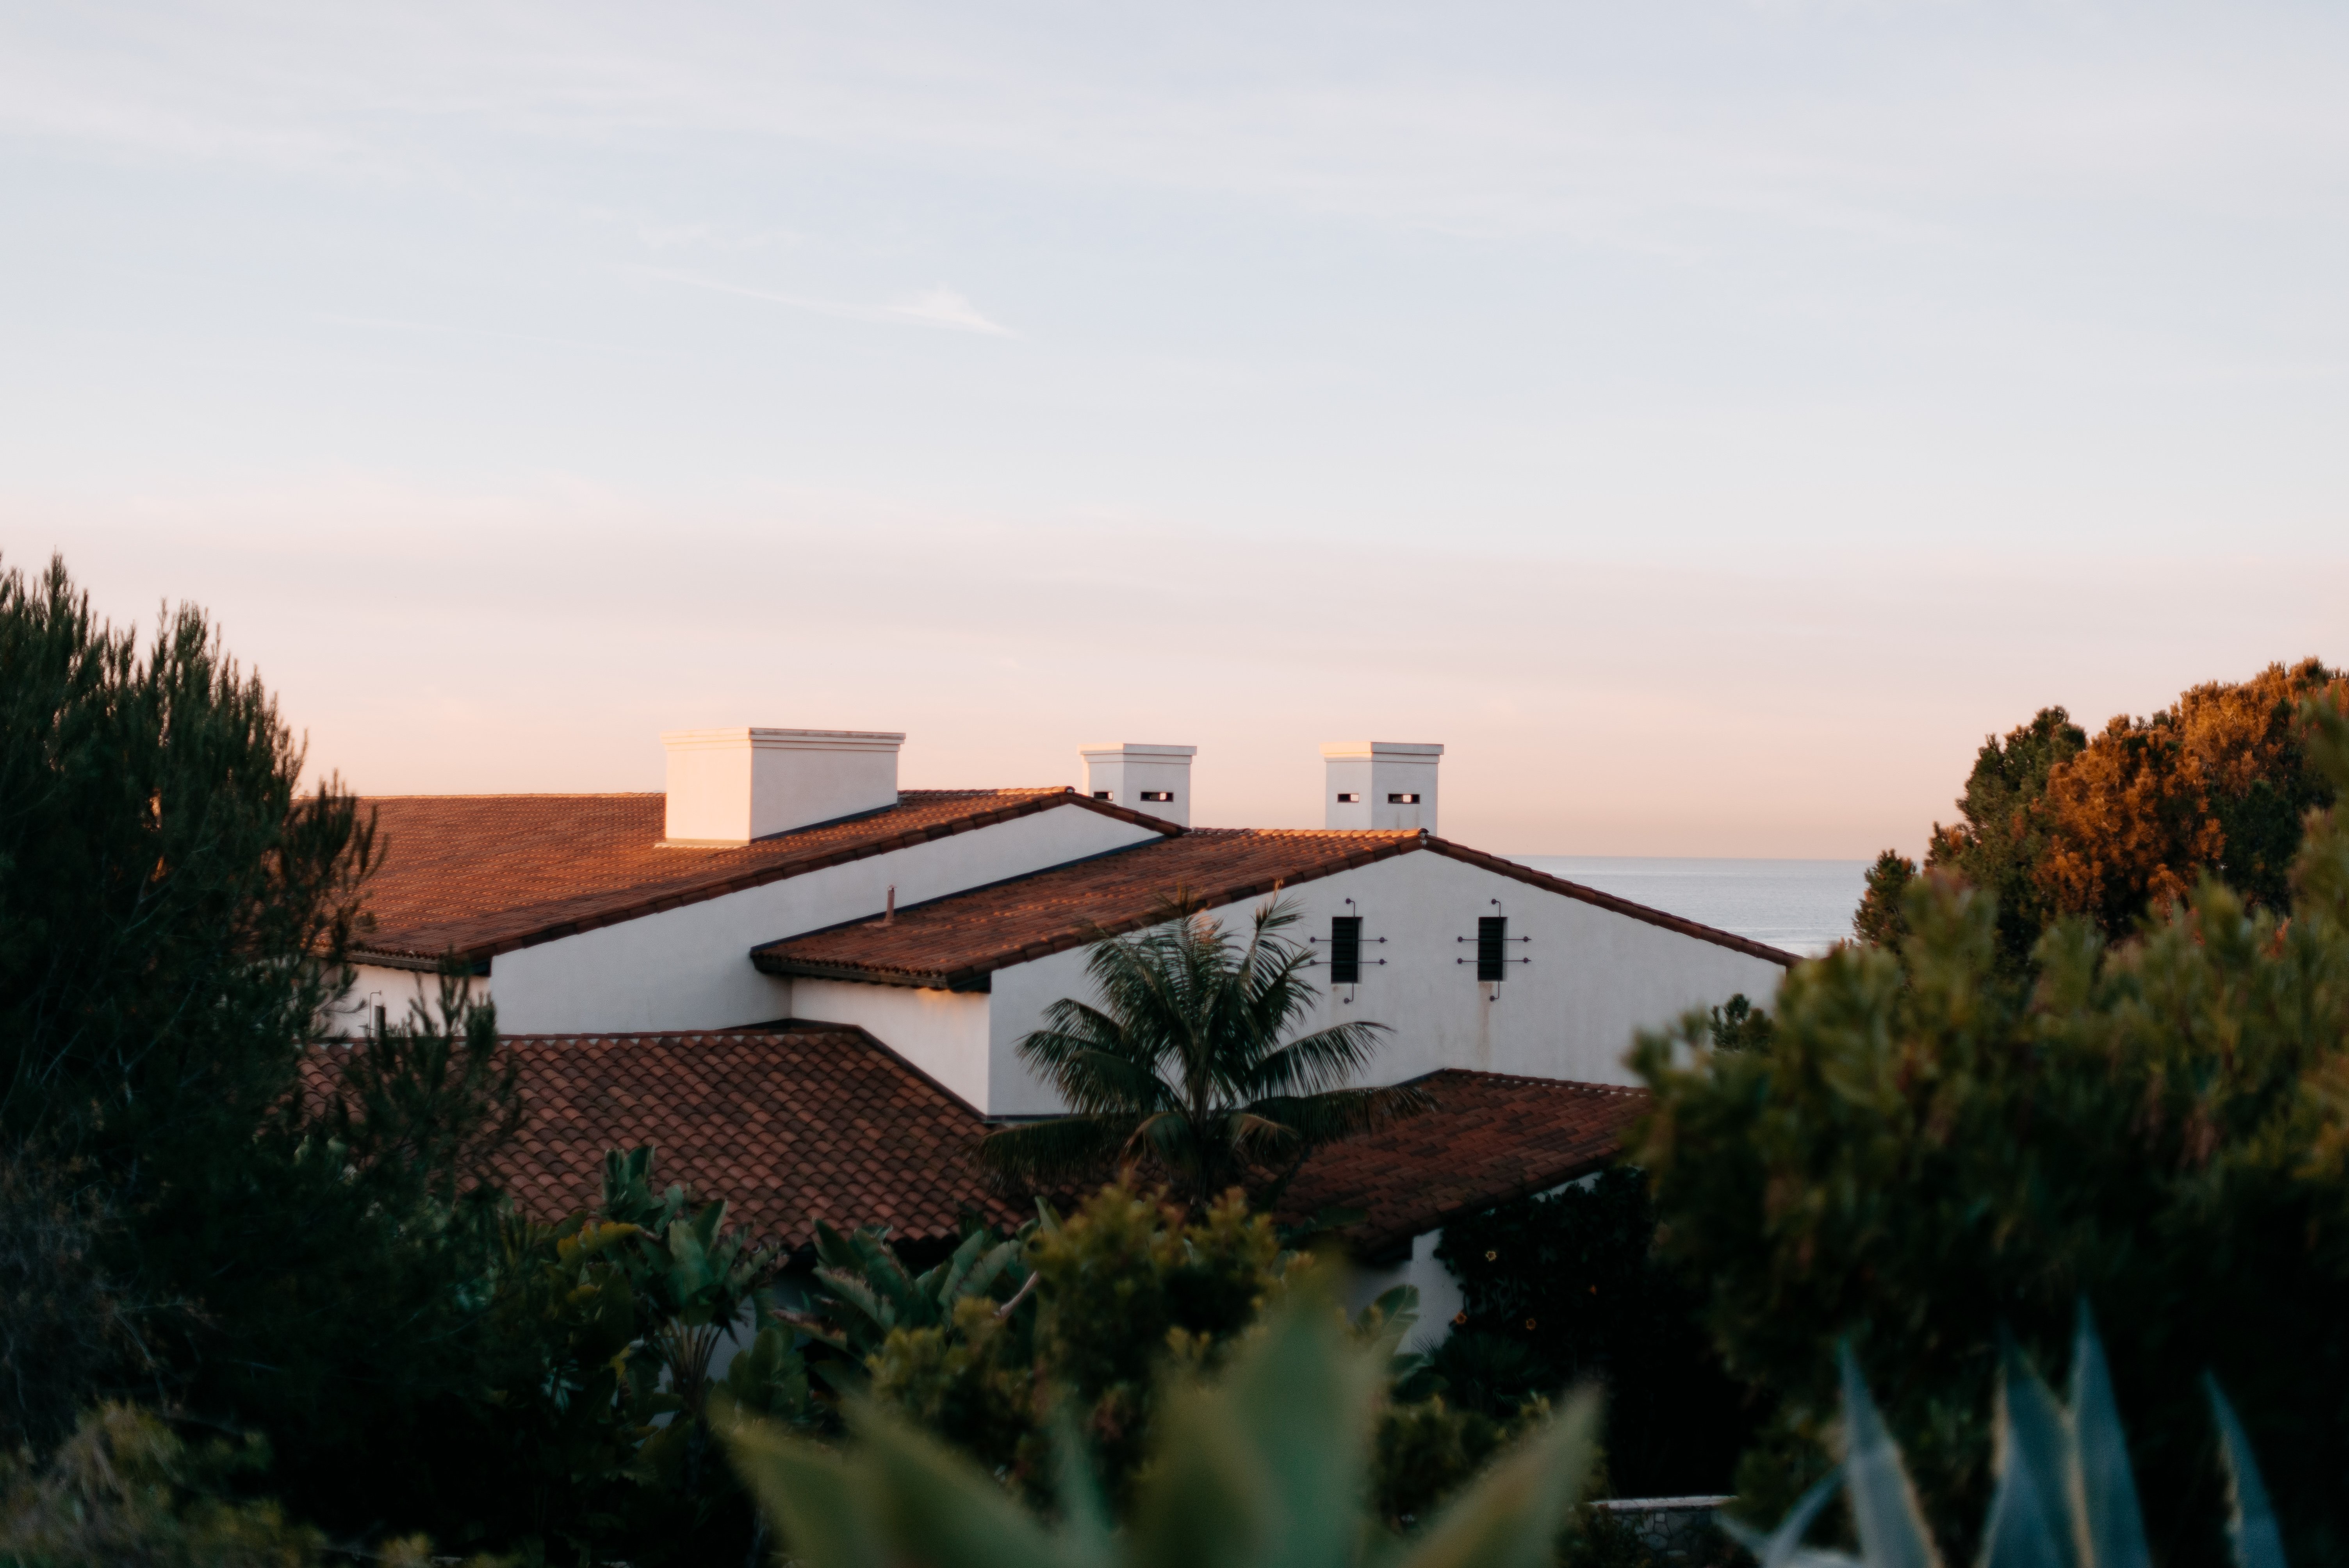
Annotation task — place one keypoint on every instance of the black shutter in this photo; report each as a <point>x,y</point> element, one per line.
<point>1492,938</point>
<point>1345,949</point>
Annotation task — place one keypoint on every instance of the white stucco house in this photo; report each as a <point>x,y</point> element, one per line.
<point>783,883</point>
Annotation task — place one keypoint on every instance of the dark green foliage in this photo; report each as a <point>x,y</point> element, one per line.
<point>124,1489</point>
<point>2000,840</point>
<point>1739,1026</point>
<point>1124,1287</point>
<point>1996,844</point>
<point>1187,1066</point>
<point>1932,1147</point>
<point>1876,922</point>
<point>594,1438</point>
<point>1493,1375</point>
<point>1572,1279</point>
<point>64,1327</point>
<point>284,1251</point>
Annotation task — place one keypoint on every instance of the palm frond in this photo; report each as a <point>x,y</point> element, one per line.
<point>1327,1117</point>
<point>1312,1063</point>
<point>1065,1148</point>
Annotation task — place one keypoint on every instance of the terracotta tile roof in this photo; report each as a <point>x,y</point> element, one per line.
<point>794,1121</point>
<point>785,1124</point>
<point>1492,1136</point>
<point>483,875</point>
<point>956,942</point>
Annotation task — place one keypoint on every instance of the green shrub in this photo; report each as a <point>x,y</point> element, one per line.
<point>1570,1282</point>
<point>1931,1146</point>
<point>123,1489</point>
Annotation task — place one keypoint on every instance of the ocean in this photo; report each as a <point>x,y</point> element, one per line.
<point>1804,907</point>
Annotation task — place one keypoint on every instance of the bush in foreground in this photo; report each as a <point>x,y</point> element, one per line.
<point>1930,1146</point>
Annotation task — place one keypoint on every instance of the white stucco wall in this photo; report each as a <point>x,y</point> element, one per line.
<point>1021,995</point>
<point>944,1033</point>
<point>689,968</point>
<point>395,990</point>
<point>1596,979</point>
<point>1439,1293</point>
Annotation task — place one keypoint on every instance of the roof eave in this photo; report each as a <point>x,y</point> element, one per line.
<point>962,980</point>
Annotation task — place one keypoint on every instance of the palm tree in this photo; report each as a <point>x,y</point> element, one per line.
<point>1182,1065</point>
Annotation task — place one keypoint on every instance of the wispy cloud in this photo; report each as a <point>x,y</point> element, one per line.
<point>940,307</point>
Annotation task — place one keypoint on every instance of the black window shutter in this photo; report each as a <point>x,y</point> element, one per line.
<point>1345,949</point>
<point>1492,937</point>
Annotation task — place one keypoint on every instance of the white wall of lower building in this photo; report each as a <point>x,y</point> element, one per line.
<point>1595,979</point>
<point>689,968</point>
<point>944,1033</point>
<point>1439,1293</point>
<point>1021,993</point>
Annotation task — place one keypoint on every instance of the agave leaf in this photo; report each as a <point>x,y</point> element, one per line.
<point>934,1507</point>
<point>1086,1532</point>
<point>1303,1398</point>
<point>1782,1547</point>
<point>1208,1499</point>
<point>2251,1522</point>
<point>2112,1528</point>
<point>810,1496</point>
<point>1510,1517</point>
<point>2031,1513</point>
<point>1884,1509</point>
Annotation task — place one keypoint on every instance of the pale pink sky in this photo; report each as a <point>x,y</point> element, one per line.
<point>1822,705</point>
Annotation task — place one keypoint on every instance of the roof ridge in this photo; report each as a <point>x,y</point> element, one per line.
<point>1486,1074</point>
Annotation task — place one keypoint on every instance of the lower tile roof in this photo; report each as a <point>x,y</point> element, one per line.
<point>788,1124</point>
<point>793,1122</point>
<point>1491,1138</point>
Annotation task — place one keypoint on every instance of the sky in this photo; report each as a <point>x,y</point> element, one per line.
<point>1707,420</point>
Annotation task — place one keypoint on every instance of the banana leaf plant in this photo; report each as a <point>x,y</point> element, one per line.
<point>2064,1496</point>
<point>863,1290</point>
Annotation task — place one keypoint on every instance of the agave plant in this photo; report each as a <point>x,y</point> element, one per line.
<point>1266,1469</point>
<point>2066,1497</point>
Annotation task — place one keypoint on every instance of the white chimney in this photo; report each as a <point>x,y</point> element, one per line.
<point>1155,779</point>
<point>1380,784</point>
<point>731,786</point>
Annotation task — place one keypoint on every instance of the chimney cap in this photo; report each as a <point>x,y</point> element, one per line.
<point>1337,749</point>
<point>813,739</point>
<point>1135,748</point>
